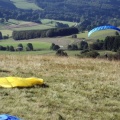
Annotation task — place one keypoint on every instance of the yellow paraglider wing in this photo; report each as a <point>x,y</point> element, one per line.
<point>10,82</point>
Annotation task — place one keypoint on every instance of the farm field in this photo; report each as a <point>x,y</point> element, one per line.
<point>6,32</point>
<point>52,22</point>
<point>23,25</point>
<point>12,25</point>
<point>42,46</point>
<point>22,4</point>
<point>79,89</point>
<point>37,44</point>
<point>45,42</point>
<point>18,25</point>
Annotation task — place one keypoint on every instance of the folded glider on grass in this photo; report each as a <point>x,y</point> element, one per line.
<point>102,28</point>
<point>11,82</point>
<point>8,117</point>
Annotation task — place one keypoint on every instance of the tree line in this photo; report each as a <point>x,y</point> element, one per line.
<point>111,43</point>
<point>30,34</point>
<point>87,13</point>
<point>29,47</point>
<point>19,14</point>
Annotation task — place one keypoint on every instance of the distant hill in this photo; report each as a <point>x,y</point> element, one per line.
<point>91,12</point>
<point>77,8</point>
<point>86,13</point>
<point>7,4</point>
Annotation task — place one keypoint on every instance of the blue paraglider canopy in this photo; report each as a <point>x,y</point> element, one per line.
<point>8,117</point>
<point>102,28</point>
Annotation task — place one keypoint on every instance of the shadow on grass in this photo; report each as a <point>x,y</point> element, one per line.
<point>5,71</point>
<point>44,85</point>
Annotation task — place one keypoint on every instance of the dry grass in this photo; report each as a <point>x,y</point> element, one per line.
<point>79,89</point>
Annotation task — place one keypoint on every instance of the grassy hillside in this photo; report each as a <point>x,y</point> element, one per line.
<point>25,4</point>
<point>79,89</point>
<point>97,35</point>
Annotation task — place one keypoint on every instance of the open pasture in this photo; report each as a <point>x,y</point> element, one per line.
<point>19,25</point>
<point>25,4</point>
<point>36,43</point>
<point>51,22</point>
<point>12,25</point>
<point>6,32</point>
<point>23,25</point>
<point>97,35</point>
<point>45,42</point>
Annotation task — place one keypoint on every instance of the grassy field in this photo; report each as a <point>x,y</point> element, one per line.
<point>18,25</point>
<point>8,27</point>
<point>79,89</point>
<point>36,27</point>
<point>45,42</point>
<point>24,4</point>
<point>97,35</point>
<point>42,46</point>
<point>7,32</point>
<point>52,22</point>
<point>37,44</point>
<point>23,25</point>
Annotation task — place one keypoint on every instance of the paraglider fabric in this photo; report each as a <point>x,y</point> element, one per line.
<point>102,28</point>
<point>11,82</point>
<point>8,117</point>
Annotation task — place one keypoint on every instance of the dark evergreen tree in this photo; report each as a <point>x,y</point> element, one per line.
<point>30,46</point>
<point>56,47</point>
<point>74,47</point>
<point>69,47</point>
<point>20,47</point>
<point>11,48</point>
<point>7,48</point>
<point>83,45</point>
<point>98,45</point>
<point>0,35</point>
<point>52,46</point>
<point>105,43</point>
<point>116,44</point>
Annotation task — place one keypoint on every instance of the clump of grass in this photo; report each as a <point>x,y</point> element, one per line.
<point>79,89</point>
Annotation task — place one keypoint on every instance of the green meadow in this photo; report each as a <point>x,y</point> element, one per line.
<point>7,32</point>
<point>24,4</point>
<point>97,35</point>
<point>53,22</point>
<point>36,43</point>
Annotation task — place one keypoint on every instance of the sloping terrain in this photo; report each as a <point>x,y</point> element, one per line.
<point>79,89</point>
<point>97,12</point>
<point>25,4</point>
